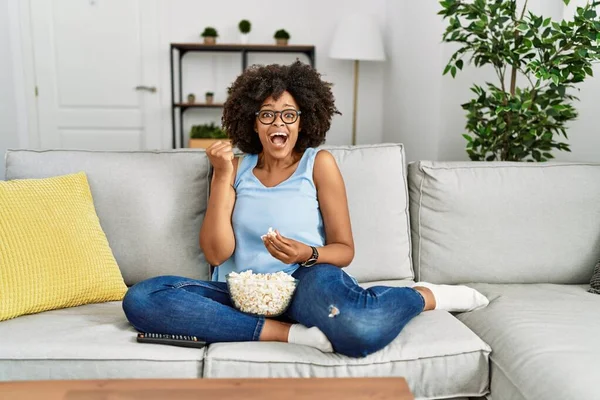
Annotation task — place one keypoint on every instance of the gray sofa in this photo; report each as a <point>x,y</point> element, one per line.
<point>526,235</point>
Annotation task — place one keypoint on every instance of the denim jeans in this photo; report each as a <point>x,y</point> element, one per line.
<point>363,321</point>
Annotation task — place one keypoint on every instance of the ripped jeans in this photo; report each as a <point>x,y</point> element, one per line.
<point>356,321</point>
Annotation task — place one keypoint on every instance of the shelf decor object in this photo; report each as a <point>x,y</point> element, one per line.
<point>202,136</point>
<point>281,37</point>
<point>210,35</point>
<point>245,26</point>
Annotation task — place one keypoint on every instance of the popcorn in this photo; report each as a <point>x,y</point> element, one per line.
<point>270,233</point>
<point>261,294</point>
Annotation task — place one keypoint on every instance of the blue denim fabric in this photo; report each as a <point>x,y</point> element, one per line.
<point>363,321</point>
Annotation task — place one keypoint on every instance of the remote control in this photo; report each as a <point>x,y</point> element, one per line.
<point>174,340</point>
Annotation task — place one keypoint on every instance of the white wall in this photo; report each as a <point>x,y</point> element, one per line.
<point>422,107</point>
<point>406,99</point>
<point>413,86</point>
<point>9,137</point>
<point>308,22</point>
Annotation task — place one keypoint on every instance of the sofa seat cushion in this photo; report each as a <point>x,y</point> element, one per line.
<point>438,355</point>
<point>93,341</point>
<point>544,340</point>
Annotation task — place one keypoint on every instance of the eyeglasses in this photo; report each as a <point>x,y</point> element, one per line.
<point>267,117</point>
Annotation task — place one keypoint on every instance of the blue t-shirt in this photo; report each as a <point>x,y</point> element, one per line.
<point>291,208</point>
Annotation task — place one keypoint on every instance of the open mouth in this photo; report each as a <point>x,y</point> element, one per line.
<point>278,139</point>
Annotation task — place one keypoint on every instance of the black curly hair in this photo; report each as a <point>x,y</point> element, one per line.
<point>257,83</point>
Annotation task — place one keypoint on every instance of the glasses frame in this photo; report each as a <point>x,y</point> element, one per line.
<point>298,113</point>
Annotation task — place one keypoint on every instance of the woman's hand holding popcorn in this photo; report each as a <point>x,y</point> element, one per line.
<point>284,249</point>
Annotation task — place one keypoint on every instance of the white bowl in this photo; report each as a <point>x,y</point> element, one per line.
<point>257,294</point>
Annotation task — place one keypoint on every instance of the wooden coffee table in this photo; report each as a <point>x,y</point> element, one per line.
<point>222,389</point>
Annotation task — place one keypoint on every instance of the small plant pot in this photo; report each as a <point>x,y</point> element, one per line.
<point>210,40</point>
<point>244,38</point>
<point>204,143</point>
<point>191,98</point>
<point>210,98</point>
<point>281,42</point>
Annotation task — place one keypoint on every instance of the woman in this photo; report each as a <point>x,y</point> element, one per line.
<point>277,116</point>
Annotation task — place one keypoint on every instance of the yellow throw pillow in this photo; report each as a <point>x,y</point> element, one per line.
<point>53,251</point>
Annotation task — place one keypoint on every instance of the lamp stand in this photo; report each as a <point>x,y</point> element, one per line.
<point>355,102</point>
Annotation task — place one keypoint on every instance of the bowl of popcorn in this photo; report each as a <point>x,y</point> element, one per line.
<point>267,295</point>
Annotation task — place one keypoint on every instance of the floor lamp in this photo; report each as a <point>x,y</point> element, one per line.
<point>357,37</point>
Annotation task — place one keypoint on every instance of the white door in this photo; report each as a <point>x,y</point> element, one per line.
<point>90,56</point>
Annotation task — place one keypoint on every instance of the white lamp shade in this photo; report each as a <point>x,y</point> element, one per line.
<point>357,37</point>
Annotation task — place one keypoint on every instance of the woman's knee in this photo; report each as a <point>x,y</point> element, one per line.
<point>134,301</point>
<point>137,299</point>
<point>355,334</point>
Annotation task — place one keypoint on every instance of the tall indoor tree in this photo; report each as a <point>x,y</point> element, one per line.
<point>538,63</point>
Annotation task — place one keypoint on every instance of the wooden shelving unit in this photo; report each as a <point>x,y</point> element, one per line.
<point>185,106</point>
<point>178,51</point>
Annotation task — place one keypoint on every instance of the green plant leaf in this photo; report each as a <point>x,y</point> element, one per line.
<point>520,125</point>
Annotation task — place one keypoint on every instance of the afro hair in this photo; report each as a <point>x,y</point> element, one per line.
<point>259,82</point>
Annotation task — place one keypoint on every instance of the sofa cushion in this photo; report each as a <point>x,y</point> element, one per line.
<point>150,203</point>
<point>94,341</point>
<point>53,252</point>
<point>375,179</point>
<point>496,222</point>
<point>544,340</point>
<point>438,356</point>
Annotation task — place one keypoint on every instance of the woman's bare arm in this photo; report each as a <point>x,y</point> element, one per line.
<point>217,240</point>
<point>331,194</point>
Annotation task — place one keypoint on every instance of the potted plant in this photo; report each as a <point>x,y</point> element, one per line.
<point>191,98</point>
<point>210,35</point>
<point>209,97</point>
<point>245,27</point>
<point>537,61</point>
<point>281,37</point>
<point>202,136</point>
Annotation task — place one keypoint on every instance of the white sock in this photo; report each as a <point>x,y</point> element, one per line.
<point>312,337</point>
<point>455,298</point>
